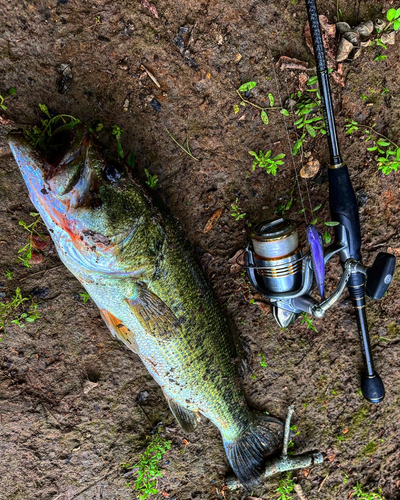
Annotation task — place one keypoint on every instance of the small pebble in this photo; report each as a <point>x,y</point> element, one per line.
<point>142,396</point>
<point>156,105</point>
<point>41,293</point>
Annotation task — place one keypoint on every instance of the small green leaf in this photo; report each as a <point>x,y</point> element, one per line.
<point>247,86</point>
<point>391,14</point>
<point>317,207</point>
<point>331,223</point>
<point>285,112</point>
<point>313,80</point>
<point>12,91</point>
<point>396,25</point>
<point>120,151</point>
<point>373,148</point>
<point>236,109</point>
<point>327,237</point>
<point>44,109</point>
<point>264,117</point>
<point>311,130</point>
<point>99,127</point>
<point>271,99</point>
<point>131,159</point>
<point>297,146</point>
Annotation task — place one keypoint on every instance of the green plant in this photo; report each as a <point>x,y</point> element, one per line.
<point>264,160</point>
<point>340,438</point>
<point>236,211</point>
<point>9,274</point>
<point>26,251</point>
<point>148,470</point>
<point>287,205</point>
<point>393,16</point>
<point>380,58</point>
<point>151,180</point>
<point>10,93</point>
<point>85,297</point>
<point>9,309</point>
<point>389,159</point>
<point>308,321</point>
<point>99,126</point>
<point>40,136</point>
<point>263,361</point>
<point>117,133</point>
<point>308,109</point>
<point>359,493</point>
<point>263,109</point>
<point>187,150</point>
<point>285,487</point>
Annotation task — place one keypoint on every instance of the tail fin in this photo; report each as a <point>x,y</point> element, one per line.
<point>248,452</point>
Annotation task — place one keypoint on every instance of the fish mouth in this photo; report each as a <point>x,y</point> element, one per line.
<point>59,181</point>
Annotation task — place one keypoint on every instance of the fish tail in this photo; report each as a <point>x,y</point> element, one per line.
<point>248,452</point>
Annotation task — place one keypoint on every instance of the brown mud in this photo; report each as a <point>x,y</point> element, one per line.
<point>70,410</point>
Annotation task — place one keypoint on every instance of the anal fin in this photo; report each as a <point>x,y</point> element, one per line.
<point>187,419</point>
<point>118,329</point>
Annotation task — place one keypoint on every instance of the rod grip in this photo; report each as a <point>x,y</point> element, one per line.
<point>343,207</point>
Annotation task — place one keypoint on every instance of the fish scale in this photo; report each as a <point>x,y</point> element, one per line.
<point>129,253</point>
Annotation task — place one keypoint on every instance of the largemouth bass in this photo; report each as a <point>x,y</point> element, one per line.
<point>128,252</point>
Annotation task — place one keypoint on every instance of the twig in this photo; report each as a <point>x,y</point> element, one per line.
<point>152,77</point>
<point>287,430</point>
<point>39,272</point>
<point>187,151</point>
<point>255,105</point>
<point>299,490</point>
<point>381,135</point>
<point>320,486</point>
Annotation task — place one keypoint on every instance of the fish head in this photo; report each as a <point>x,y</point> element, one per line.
<point>84,195</point>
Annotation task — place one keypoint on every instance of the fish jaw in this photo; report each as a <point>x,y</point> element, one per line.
<point>36,172</point>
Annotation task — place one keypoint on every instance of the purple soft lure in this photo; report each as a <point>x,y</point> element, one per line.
<point>317,257</point>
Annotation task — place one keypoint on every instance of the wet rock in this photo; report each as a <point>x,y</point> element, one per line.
<point>310,169</point>
<point>389,38</point>
<point>2,295</point>
<point>344,49</point>
<point>362,199</point>
<point>142,396</point>
<point>64,82</point>
<point>40,293</point>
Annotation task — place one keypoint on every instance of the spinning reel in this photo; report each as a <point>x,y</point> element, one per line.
<point>278,269</point>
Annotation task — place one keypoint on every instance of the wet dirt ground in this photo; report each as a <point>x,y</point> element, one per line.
<point>74,403</point>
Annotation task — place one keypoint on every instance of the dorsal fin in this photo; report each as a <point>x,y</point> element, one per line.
<point>118,329</point>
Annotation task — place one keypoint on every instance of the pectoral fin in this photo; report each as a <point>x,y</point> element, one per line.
<point>187,419</point>
<point>154,315</point>
<point>118,329</point>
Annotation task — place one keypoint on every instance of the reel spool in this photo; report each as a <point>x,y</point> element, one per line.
<point>277,255</point>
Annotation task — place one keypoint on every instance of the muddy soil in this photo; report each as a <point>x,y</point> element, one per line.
<point>75,404</point>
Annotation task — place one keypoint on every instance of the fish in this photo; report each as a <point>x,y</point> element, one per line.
<point>129,252</point>
<point>317,257</point>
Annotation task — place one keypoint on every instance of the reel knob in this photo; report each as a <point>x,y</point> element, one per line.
<point>379,275</point>
<point>372,388</point>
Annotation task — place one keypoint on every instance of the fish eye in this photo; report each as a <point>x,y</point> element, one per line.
<point>111,172</point>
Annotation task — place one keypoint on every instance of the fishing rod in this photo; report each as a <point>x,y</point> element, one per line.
<point>277,267</point>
